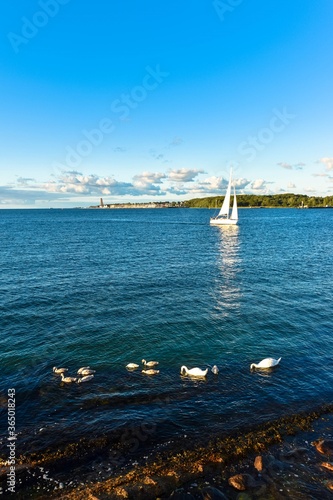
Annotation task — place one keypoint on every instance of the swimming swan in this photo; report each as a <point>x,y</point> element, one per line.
<point>58,371</point>
<point>193,372</point>
<point>80,370</point>
<point>67,380</point>
<point>151,371</point>
<point>149,363</point>
<point>86,371</point>
<point>132,366</point>
<point>86,378</point>
<point>265,363</point>
<point>215,370</point>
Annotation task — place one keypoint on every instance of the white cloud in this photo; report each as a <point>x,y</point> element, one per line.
<point>184,174</point>
<point>328,162</point>
<point>209,186</point>
<point>291,185</point>
<point>145,183</point>
<point>258,184</point>
<point>240,183</point>
<point>214,185</point>
<point>75,182</point>
<point>149,178</point>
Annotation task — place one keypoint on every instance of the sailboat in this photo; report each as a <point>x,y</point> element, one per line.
<point>224,218</point>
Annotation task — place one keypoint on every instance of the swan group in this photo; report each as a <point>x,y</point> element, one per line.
<point>85,374</point>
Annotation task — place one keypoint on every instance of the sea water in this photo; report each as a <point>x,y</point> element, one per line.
<point>107,287</point>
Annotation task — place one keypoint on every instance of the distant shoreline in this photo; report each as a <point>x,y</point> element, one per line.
<point>289,200</point>
<point>151,206</point>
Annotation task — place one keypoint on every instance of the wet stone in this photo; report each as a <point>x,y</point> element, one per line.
<point>259,463</point>
<point>242,482</point>
<point>211,493</point>
<point>327,465</point>
<point>329,485</point>
<point>263,462</point>
<point>324,446</point>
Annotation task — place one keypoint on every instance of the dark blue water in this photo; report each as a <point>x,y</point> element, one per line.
<point>108,287</point>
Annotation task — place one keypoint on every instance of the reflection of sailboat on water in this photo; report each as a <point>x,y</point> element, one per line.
<point>223,217</point>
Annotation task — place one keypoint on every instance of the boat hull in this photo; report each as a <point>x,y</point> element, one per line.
<point>223,222</point>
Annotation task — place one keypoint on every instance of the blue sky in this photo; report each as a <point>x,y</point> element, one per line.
<point>155,101</point>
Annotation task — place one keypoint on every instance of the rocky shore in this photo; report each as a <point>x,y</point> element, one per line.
<point>290,458</point>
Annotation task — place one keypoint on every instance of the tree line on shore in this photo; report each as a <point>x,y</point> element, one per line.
<point>286,200</point>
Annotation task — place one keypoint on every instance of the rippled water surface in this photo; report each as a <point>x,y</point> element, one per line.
<point>108,287</point>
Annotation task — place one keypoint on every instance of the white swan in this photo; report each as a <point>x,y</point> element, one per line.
<point>67,380</point>
<point>215,370</point>
<point>132,366</point>
<point>150,363</point>
<point>58,371</point>
<point>265,363</point>
<point>193,372</point>
<point>86,378</point>
<point>86,371</point>
<point>80,370</point>
<point>151,371</point>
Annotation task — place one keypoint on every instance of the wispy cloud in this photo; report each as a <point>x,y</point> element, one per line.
<point>289,166</point>
<point>24,181</point>
<point>156,155</point>
<point>176,141</point>
<point>285,165</point>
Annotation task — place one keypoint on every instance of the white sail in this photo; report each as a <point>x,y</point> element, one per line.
<point>222,217</point>
<point>226,202</point>
<point>234,213</point>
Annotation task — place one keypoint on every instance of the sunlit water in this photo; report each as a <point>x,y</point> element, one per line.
<point>108,287</point>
